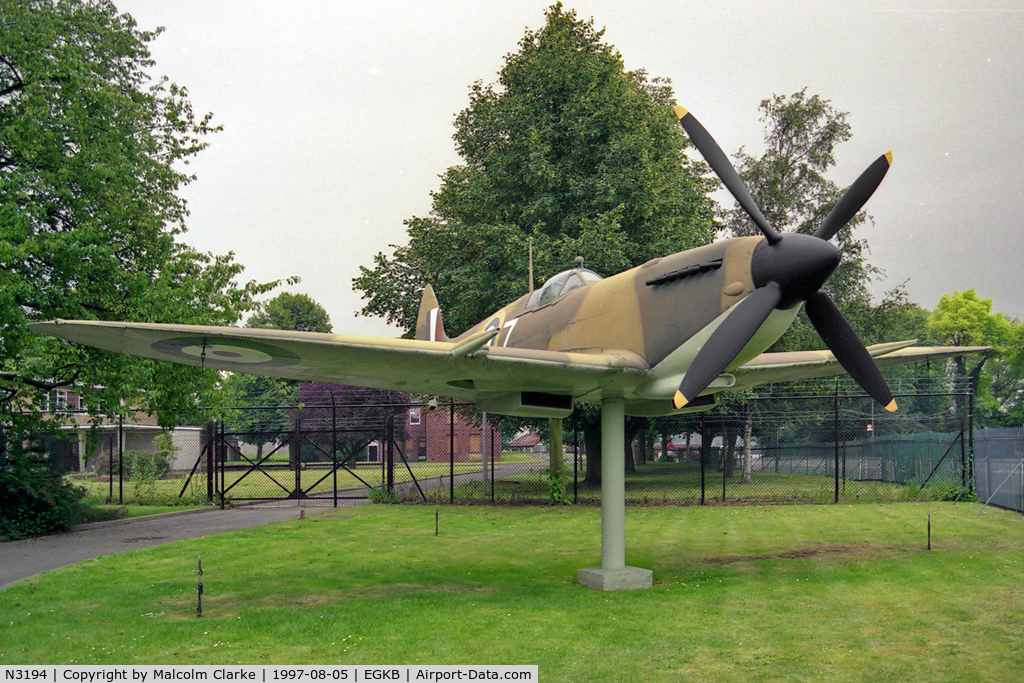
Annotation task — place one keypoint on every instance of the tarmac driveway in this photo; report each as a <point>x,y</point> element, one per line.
<point>22,559</point>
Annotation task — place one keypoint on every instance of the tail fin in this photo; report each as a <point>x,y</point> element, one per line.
<point>429,325</point>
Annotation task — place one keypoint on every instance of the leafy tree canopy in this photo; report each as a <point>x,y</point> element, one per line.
<point>567,149</point>
<point>788,182</point>
<point>260,400</point>
<point>288,311</point>
<point>965,319</point>
<point>91,157</point>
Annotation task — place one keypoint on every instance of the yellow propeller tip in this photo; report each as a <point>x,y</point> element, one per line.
<point>892,406</point>
<point>888,157</point>
<point>679,401</point>
<point>680,111</point>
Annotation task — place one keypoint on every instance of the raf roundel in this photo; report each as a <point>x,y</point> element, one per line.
<point>226,352</point>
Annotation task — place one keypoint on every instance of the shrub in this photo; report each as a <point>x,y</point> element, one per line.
<point>383,495</point>
<point>136,463</point>
<point>34,500</point>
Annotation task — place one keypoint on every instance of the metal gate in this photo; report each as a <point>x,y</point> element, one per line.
<point>324,456</point>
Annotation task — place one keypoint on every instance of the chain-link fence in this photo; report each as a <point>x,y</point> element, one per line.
<point>125,461</point>
<point>999,467</point>
<point>818,443</point>
<point>805,446</point>
<point>381,451</point>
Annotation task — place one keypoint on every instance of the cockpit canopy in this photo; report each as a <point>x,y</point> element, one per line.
<point>560,284</point>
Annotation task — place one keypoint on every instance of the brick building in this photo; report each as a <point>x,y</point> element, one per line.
<point>432,434</point>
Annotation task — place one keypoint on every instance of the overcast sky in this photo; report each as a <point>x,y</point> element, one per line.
<point>338,118</point>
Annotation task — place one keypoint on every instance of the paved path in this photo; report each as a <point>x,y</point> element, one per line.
<point>22,559</point>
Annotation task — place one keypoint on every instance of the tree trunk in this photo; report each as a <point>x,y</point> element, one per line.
<point>748,428</point>
<point>631,430</point>
<point>592,447</point>
<point>729,455</point>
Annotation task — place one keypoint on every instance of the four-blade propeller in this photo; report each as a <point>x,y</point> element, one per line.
<point>788,269</point>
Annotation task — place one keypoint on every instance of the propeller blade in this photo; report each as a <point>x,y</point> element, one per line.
<point>846,346</point>
<point>725,171</point>
<point>726,342</point>
<point>855,198</point>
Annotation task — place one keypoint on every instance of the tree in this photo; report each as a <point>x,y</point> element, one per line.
<point>566,149</point>
<point>263,419</point>
<point>288,311</point>
<point>34,500</point>
<point>356,415</point>
<point>787,181</point>
<point>258,418</point>
<point>91,152</point>
<point>271,413</point>
<point>965,319</point>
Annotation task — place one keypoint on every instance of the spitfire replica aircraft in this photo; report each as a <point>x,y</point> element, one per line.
<point>665,337</point>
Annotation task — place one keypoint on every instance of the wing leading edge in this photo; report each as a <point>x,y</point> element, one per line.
<point>464,370</point>
<point>786,367</point>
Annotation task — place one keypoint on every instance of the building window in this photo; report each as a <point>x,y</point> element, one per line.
<point>60,401</point>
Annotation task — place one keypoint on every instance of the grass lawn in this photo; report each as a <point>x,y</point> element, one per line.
<point>794,593</point>
<point>247,484</point>
<point>680,483</point>
<point>106,512</point>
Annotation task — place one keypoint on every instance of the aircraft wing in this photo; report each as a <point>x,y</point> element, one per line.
<point>796,365</point>
<point>464,370</point>
<point>468,369</point>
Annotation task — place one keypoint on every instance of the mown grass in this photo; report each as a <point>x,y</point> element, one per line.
<point>837,593</point>
<point>682,483</point>
<point>103,512</point>
<point>247,484</point>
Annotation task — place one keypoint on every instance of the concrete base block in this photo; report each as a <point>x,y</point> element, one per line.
<point>624,579</point>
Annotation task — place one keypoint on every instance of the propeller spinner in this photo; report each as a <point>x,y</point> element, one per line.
<point>788,269</point>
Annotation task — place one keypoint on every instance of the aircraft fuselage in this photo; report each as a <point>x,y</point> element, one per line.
<point>650,310</point>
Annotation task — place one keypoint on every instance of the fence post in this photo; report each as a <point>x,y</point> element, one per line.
<point>120,460</point>
<point>222,462</point>
<point>703,454</point>
<point>296,453</point>
<point>725,456</point>
<point>224,453</point>
<point>334,447</point>
<point>484,450</point>
<point>835,434</point>
<point>970,429</point>
<point>110,461</point>
<point>390,425</point>
<point>211,472</point>
<point>451,452</point>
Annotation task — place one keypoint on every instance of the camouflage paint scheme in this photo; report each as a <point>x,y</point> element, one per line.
<point>630,336</point>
